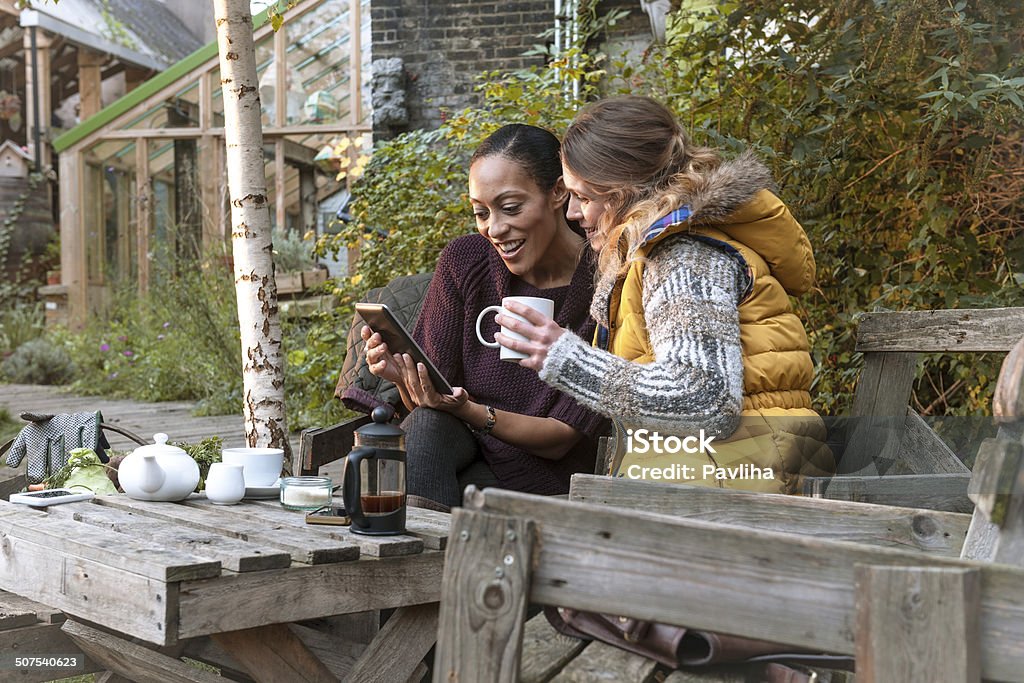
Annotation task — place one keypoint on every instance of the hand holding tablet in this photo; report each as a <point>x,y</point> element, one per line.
<point>380,319</point>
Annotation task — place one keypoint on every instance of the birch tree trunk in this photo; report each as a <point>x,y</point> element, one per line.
<point>255,287</point>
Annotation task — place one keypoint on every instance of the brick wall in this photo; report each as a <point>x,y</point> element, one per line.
<point>445,45</point>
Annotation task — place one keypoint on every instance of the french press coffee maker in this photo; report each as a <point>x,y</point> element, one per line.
<point>374,481</point>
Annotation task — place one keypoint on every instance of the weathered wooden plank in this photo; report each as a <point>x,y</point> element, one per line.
<point>274,653</point>
<point>880,409</point>
<point>545,651</point>
<point>271,511</point>
<point>419,675</point>
<point>11,481</point>
<point>232,553</point>
<point>945,492</point>
<point>323,445</point>
<point>940,331</point>
<point>434,534</point>
<point>922,451</point>
<point>126,601</point>
<point>995,471</point>
<point>286,595</point>
<point>304,545</point>
<point>1009,548</point>
<point>939,533</point>
<point>44,614</point>
<point>602,662</point>
<point>355,628</point>
<point>16,611</point>
<point>1008,400</point>
<point>133,661</point>
<point>752,583</point>
<point>111,677</point>
<point>41,640</point>
<point>720,674</point>
<point>981,541</point>
<point>128,554</point>
<point>743,673</point>
<point>484,598</point>
<point>336,652</point>
<point>208,652</point>
<point>400,646</point>
<point>917,624</point>
<point>12,616</point>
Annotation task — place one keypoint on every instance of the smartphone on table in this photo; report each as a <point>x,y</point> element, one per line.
<point>382,320</point>
<point>48,497</point>
<point>332,514</point>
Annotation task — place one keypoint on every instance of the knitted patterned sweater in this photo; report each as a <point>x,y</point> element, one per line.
<point>690,295</point>
<point>469,277</point>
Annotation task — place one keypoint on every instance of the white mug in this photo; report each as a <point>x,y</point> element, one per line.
<point>545,306</point>
<point>261,466</point>
<point>225,484</point>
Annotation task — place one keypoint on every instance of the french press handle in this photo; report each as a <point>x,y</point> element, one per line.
<point>351,489</point>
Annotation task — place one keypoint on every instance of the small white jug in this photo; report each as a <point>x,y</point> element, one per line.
<point>225,484</point>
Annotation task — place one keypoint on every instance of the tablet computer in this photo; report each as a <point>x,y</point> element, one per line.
<point>380,319</point>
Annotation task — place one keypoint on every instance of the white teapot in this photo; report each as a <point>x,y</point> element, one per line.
<point>158,472</point>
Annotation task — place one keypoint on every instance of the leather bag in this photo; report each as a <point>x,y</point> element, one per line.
<point>678,646</point>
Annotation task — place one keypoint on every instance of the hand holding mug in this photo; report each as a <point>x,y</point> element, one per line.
<point>527,332</point>
<point>544,307</point>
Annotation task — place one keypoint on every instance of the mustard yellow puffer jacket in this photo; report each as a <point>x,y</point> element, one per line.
<point>778,428</point>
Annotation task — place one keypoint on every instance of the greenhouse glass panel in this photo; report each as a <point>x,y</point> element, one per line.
<point>318,59</point>
<point>267,76</point>
<point>217,95</point>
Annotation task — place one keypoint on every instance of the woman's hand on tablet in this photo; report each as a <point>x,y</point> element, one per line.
<point>420,389</point>
<point>378,359</point>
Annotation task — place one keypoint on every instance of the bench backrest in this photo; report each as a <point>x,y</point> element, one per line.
<point>887,435</point>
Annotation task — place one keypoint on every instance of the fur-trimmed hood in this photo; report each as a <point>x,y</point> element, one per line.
<point>727,188</point>
<point>736,199</point>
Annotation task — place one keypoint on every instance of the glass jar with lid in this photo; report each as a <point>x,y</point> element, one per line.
<point>305,493</point>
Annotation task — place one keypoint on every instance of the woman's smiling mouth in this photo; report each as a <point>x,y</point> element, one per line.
<point>510,248</point>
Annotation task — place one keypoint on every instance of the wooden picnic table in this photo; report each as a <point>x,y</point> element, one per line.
<point>177,575</point>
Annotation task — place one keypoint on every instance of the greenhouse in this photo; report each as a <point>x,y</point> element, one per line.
<point>144,179</point>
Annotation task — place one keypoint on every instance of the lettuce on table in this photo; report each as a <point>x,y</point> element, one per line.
<point>88,473</point>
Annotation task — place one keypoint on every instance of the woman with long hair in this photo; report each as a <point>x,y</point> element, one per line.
<point>696,339</point>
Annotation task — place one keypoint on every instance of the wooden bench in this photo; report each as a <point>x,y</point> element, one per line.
<point>881,583</point>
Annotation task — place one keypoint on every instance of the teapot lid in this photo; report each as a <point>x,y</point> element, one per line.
<point>161,447</point>
<point>381,428</point>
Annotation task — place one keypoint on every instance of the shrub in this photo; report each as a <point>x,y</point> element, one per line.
<point>38,361</point>
<point>9,427</point>
<point>292,252</point>
<point>179,342</point>
<point>19,324</point>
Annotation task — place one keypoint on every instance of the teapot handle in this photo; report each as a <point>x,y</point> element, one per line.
<point>352,485</point>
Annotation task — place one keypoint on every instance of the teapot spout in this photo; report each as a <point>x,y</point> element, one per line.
<point>153,475</point>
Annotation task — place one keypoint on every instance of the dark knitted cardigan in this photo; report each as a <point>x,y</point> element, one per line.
<point>469,277</point>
